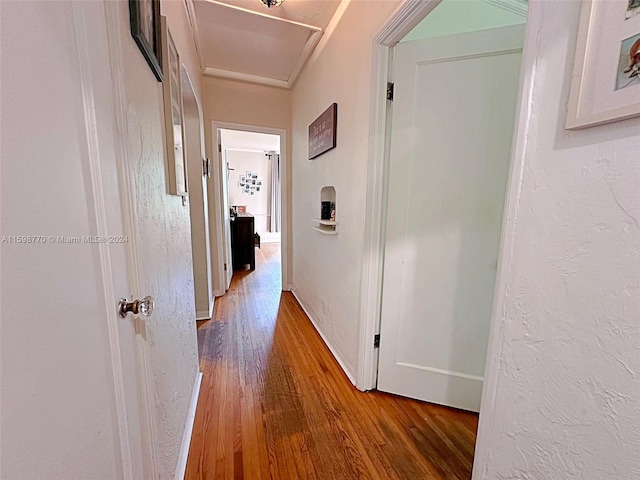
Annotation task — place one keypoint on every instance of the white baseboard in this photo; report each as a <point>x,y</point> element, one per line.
<point>181,467</point>
<point>289,288</point>
<point>333,351</point>
<point>267,237</point>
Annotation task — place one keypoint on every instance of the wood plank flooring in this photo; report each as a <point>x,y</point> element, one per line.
<point>274,403</point>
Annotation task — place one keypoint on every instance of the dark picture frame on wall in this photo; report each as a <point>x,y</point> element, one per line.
<point>144,19</point>
<point>323,132</point>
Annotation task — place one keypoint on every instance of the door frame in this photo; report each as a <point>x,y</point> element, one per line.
<point>284,203</point>
<point>189,92</point>
<point>403,20</point>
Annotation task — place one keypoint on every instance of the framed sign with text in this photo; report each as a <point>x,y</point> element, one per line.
<point>323,133</point>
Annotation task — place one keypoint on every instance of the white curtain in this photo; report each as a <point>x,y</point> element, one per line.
<point>274,224</point>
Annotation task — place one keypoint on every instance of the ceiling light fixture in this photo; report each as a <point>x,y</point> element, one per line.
<point>272,3</point>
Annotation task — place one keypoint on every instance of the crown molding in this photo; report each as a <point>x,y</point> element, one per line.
<point>244,77</point>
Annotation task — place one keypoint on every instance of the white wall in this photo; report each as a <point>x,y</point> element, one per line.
<point>562,397</point>
<point>327,268</point>
<point>258,203</point>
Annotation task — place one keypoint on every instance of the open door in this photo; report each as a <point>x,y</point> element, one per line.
<point>454,107</point>
<point>224,177</point>
<point>92,393</point>
<point>223,172</point>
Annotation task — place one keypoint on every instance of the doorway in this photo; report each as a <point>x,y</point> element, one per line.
<point>198,190</point>
<point>251,180</point>
<point>438,174</point>
<point>450,151</point>
<point>253,175</point>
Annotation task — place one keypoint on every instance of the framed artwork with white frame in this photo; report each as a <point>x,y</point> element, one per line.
<point>173,114</point>
<point>605,85</point>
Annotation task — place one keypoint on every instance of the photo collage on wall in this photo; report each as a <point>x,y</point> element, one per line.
<point>250,184</point>
<point>629,62</point>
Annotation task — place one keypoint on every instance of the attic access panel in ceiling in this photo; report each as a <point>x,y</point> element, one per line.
<point>241,44</point>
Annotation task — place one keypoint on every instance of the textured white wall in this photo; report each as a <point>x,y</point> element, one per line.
<point>257,204</point>
<point>327,268</point>
<point>562,398</point>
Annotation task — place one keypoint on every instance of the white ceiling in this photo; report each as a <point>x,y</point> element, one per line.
<point>245,40</point>
<point>260,142</point>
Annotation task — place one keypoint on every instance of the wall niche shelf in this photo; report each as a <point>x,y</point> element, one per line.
<point>326,224</point>
<point>328,227</point>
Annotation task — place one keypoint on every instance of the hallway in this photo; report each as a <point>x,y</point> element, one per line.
<point>275,404</point>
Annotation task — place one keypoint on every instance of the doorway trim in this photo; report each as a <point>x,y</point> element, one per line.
<point>405,18</point>
<point>188,92</point>
<point>284,202</point>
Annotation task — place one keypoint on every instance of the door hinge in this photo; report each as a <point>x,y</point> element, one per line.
<point>376,341</point>
<point>225,267</point>
<point>390,88</point>
<point>220,147</point>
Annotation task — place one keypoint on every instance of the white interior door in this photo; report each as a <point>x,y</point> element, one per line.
<point>228,273</point>
<point>72,404</point>
<point>107,396</point>
<point>112,238</point>
<point>159,253</point>
<point>453,112</point>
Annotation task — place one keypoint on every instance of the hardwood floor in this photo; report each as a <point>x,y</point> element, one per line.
<point>274,403</point>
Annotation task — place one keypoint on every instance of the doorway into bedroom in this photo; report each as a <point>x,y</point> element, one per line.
<point>251,189</point>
